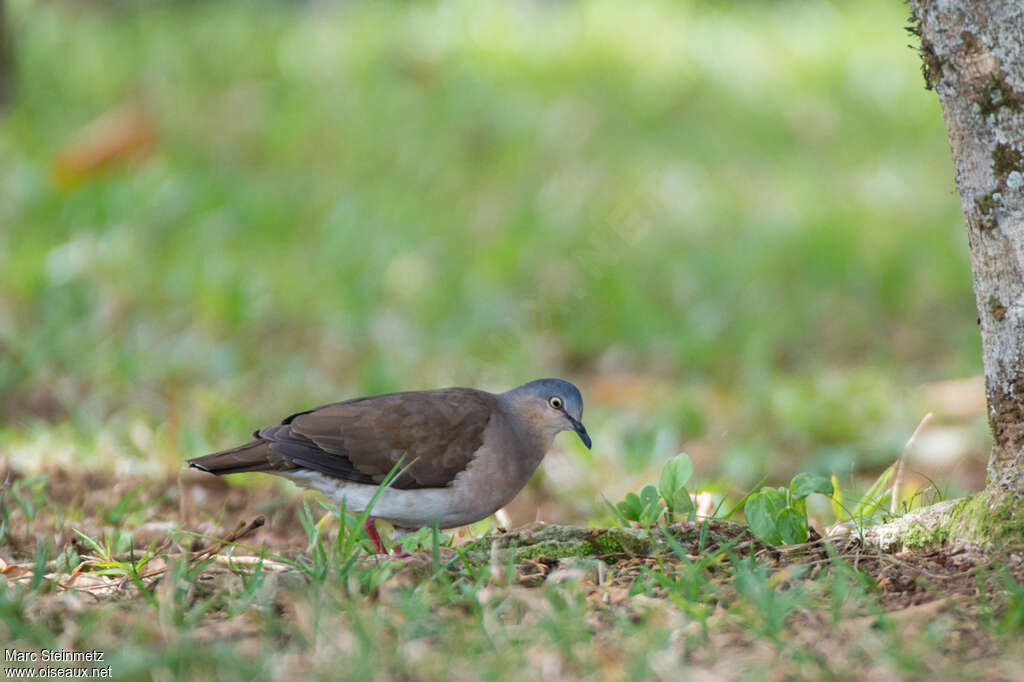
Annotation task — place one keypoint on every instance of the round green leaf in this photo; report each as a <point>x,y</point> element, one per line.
<point>775,498</point>
<point>803,484</point>
<point>760,517</point>
<point>650,506</point>
<point>675,474</point>
<point>792,526</point>
<point>680,502</point>
<point>631,507</point>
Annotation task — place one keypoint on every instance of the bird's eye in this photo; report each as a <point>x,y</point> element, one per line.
<point>555,402</point>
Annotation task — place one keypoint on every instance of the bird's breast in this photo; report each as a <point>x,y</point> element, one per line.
<point>500,469</point>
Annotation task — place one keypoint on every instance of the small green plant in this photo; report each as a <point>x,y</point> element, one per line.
<point>690,584</point>
<point>106,561</point>
<point>340,558</point>
<point>872,504</point>
<point>779,515</point>
<point>646,508</point>
<point>676,473</point>
<point>26,494</point>
<point>765,601</point>
<point>422,538</point>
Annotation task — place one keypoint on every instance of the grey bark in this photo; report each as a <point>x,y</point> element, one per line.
<point>973,54</point>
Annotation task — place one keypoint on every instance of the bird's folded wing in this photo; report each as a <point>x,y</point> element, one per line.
<point>361,440</point>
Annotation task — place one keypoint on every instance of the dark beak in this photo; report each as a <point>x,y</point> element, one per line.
<point>581,430</point>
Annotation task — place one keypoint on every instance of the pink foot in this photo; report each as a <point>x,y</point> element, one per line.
<point>371,530</point>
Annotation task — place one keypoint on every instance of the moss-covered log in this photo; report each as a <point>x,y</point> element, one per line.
<point>540,540</point>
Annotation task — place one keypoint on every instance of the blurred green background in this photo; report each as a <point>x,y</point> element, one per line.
<point>734,224</point>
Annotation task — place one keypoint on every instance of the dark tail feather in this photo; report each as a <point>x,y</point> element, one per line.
<point>253,456</point>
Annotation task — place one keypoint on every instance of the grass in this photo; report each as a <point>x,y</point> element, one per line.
<point>715,603</point>
<point>751,203</point>
<point>733,224</point>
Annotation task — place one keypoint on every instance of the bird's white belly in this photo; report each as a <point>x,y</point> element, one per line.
<point>450,506</point>
<point>487,484</point>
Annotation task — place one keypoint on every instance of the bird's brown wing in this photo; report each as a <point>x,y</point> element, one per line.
<point>361,440</point>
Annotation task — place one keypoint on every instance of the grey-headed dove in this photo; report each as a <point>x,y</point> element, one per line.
<point>469,452</point>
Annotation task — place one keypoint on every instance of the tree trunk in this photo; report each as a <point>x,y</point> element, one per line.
<point>973,54</point>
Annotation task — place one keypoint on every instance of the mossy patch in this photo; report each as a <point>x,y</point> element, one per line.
<point>622,541</point>
<point>532,542</point>
<point>986,211</point>
<point>555,550</point>
<point>931,65</point>
<point>1007,167</point>
<point>996,308</point>
<point>996,94</point>
<point>919,533</point>
<point>1005,160</point>
<point>987,520</point>
<point>558,542</point>
<point>986,203</point>
<point>991,519</point>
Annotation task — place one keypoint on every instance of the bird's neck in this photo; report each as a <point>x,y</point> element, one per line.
<point>534,441</point>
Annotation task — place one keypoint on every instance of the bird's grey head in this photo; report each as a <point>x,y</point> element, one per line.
<point>552,404</point>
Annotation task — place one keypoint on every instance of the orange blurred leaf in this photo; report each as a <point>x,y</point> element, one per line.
<point>119,135</point>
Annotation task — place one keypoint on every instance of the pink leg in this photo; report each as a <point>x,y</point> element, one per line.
<point>371,530</point>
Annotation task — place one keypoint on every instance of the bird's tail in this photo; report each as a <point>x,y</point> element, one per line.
<point>253,456</point>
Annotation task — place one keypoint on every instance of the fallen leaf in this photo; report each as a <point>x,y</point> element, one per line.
<point>119,135</point>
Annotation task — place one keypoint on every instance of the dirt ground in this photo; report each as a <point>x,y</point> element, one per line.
<point>915,589</point>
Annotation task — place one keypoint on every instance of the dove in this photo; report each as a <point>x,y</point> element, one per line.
<point>463,453</point>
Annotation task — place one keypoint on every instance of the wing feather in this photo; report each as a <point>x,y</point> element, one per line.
<point>361,440</point>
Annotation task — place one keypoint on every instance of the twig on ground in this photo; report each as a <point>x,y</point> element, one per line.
<point>241,530</point>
